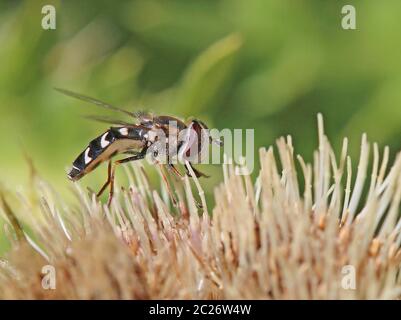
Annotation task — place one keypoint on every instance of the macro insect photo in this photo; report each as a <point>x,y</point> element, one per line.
<point>200,151</point>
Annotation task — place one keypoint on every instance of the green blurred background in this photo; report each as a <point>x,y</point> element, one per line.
<point>271,65</point>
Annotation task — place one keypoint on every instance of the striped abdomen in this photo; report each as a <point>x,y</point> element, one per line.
<point>113,141</point>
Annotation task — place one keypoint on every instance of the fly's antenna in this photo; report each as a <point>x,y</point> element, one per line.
<point>94,101</point>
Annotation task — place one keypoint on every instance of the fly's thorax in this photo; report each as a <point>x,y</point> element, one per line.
<point>157,141</point>
<point>162,143</point>
<point>176,143</point>
<point>169,123</point>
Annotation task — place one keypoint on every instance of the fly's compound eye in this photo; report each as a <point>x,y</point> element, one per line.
<point>194,142</point>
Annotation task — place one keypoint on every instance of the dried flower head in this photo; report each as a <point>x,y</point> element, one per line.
<point>275,239</point>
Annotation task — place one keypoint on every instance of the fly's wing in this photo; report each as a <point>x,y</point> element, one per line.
<point>144,118</point>
<point>108,120</point>
<point>94,101</point>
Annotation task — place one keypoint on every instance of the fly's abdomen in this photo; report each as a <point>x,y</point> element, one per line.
<point>113,141</point>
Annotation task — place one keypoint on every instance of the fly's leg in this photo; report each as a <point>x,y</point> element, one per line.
<point>173,169</point>
<point>197,172</point>
<point>171,166</point>
<point>138,156</point>
<point>170,192</point>
<point>107,182</point>
<point>164,177</point>
<point>197,175</point>
<point>109,174</point>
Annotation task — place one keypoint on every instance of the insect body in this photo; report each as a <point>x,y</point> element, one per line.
<point>157,134</point>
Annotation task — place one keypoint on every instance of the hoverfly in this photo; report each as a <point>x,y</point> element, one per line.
<point>150,134</point>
